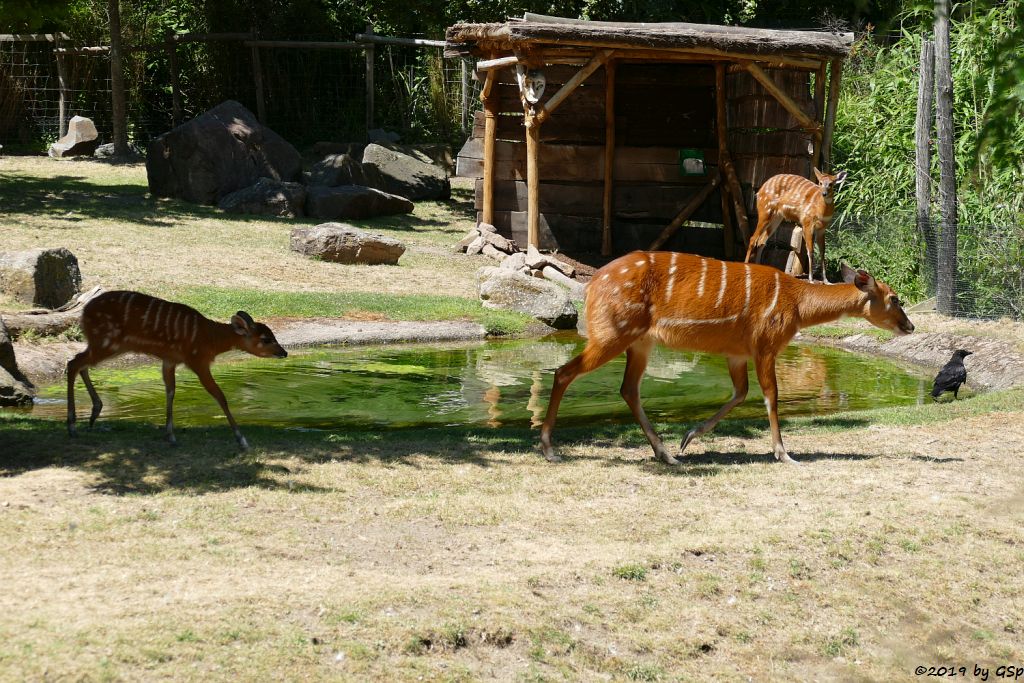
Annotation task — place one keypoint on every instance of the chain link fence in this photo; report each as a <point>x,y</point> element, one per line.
<point>311,91</point>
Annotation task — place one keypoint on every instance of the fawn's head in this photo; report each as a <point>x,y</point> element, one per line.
<point>883,308</point>
<point>829,183</point>
<point>257,338</point>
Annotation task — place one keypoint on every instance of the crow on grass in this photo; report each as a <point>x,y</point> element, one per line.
<point>952,375</point>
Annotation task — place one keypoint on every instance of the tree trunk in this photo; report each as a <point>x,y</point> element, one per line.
<point>925,87</point>
<point>947,271</point>
<point>117,99</point>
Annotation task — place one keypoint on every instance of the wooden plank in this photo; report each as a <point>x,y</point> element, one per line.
<point>784,99</point>
<point>756,111</point>
<point>609,158</point>
<point>546,108</point>
<point>754,170</point>
<point>684,215</point>
<point>742,143</point>
<point>391,40</point>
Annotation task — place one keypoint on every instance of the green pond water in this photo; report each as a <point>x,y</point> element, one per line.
<point>502,383</point>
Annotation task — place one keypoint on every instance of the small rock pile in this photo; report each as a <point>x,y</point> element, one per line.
<point>484,239</point>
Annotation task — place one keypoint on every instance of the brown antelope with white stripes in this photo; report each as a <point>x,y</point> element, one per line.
<point>795,198</point>
<point>120,322</point>
<point>742,311</point>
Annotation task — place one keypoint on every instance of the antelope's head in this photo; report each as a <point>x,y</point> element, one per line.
<point>829,184</point>
<point>882,308</point>
<point>257,338</point>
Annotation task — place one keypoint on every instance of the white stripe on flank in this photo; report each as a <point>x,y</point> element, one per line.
<point>682,322</point>
<point>624,270</point>
<point>640,263</point>
<point>671,277</point>
<point>177,320</point>
<point>775,298</point>
<point>159,313</point>
<point>128,308</point>
<point>746,298</point>
<point>195,327</point>
<point>703,275</point>
<point>721,287</point>
<point>145,318</point>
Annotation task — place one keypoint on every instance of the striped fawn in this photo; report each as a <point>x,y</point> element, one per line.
<point>795,198</point>
<point>119,322</point>
<point>739,310</point>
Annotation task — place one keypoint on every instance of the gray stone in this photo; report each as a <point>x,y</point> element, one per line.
<point>353,149</point>
<point>516,262</point>
<point>218,152</point>
<point>405,175</point>
<point>7,359</point>
<point>268,198</point>
<point>381,135</point>
<point>80,140</point>
<point>353,201</point>
<point>40,277</point>
<point>107,151</point>
<point>338,169</point>
<point>545,301</point>
<point>343,243</point>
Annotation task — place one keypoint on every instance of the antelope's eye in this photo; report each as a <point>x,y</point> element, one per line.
<point>896,301</point>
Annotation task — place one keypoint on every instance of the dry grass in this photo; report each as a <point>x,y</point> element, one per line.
<point>462,555</point>
<point>125,239</point>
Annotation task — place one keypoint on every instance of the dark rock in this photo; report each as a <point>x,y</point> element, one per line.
<point>338,169</point>
<point>545,301</point>
<point>41,277</point>
<point>405,175</point>
<point>80,140</point>
<point>15,389</point>
<point>218,152</point>
<point>343,243</point>
<point>267,197</point>
<point>381,135</point>
<point>353,149</point>
<point>353,201</point>
<point>107,151</point>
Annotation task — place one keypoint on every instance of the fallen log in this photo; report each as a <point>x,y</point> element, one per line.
<point>49,323</point>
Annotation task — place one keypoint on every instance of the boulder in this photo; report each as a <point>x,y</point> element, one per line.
<point>218,152</point>
<point>545,301</point>
<point>353,149</point>
<point>338,169</point>
<point>405,175</point>
<point>41,277</point>
<point>343,243</point>
<point>107,151</point>
<point>268,198</point>
<point>353,201</point>
<point>381,135</point>
<point>15,389</point>
<point>80,140</point>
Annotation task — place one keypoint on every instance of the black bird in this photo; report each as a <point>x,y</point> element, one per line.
<point>952,374</point>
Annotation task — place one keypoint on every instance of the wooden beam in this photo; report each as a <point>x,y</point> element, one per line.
<point>496,63</point>
<point>830,113</point>
<point>307,44</point>
<point>370,37</point>
<point>532,179</point>
<point>555,100</point>
<point>724,160</point>
<point>609,156</point>
<point>490,130</point>
<point>687,211</point>
<point>62,85</point>
<point>785,100</point>
<point>819,111</point>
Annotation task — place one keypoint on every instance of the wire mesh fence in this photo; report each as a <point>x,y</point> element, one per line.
<point>310,91</point>
<point>987,279</point>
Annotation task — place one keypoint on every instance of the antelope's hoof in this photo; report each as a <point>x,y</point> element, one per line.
<point>784,457</point>
<point>667,458</point>
<point>550,456</point>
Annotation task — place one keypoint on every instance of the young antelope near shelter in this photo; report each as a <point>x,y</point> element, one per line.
<point>119,322</point>
<point>739,310</point>
<point>795,198</point>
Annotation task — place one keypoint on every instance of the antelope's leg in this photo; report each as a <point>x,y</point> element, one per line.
<point>210,384</point>
<point>636,362</point>
<point>74,367</point>
<point>819,238</point>
<point>808,231</point>
<point>770,389</point>
<point>97,404</point>
<point>740,384</point>
<point>80,365</point>
<point>594,356</point>
<point>169,386</point>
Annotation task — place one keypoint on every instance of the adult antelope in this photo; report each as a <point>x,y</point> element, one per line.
<point>118,322</point>
<point>795,198</point>
<point>738,310</point>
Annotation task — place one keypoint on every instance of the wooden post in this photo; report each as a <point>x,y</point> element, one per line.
<point>724,160</point>
<point>117,98</point>
<point>172,57</point>
<point>728,232</point>
<point>532,179</point>
<point>490,132</point>
<point>819,111</point>
<point>257,77</point>
<point>794,266</point>
<point>830,114</point>
<point>369,82</point>
<point>62,84</point>
<point>946,284</point>
<point>609,156</point>
<point>923,158</point>
<point>465,95</point>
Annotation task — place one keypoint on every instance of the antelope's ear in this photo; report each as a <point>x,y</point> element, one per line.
<point>848,273</point>
<point>864,281</point>
<point>817,174</point>
<point>242,322</point>
<point>840,178</point>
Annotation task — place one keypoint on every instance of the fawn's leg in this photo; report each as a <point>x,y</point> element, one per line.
<point>169,386</point>
<point>770,389</point>
<point>210,384</point>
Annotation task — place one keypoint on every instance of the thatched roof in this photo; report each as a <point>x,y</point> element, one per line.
<point>536,29</point>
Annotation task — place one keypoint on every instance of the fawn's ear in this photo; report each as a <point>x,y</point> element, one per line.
<point>818,174</point>
<point>861,278</point>
<point>242,322</point>
<point>840,178</point>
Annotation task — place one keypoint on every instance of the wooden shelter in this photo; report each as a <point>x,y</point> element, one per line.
<point>641,128</point>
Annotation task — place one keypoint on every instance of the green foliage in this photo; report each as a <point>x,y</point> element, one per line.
<point>630,572</point>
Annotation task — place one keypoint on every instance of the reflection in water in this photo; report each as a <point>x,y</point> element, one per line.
<point>488,384</point>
